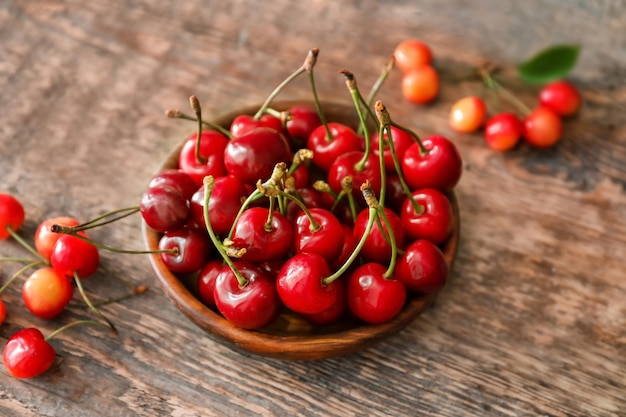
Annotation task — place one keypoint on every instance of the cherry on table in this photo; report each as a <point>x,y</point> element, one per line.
<point>245,123</point>
<point>562,97</point>
<point>503,131</point>
<point>433,221</point>
<point>11,215</point>
<point>27,354</point>
<point>411,54</point>
<point>542,128</point>
<point>45,238</point>
<point>175,178</point>
<point>46,293</point>
<point>3,312</point>
<point>193,250</point>
<point>422,267</point>
<point>420,85</point>
<point>468,114</point>
<point>72,255</point>
<point>438,165</point>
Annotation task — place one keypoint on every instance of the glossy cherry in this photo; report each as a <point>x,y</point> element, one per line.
<point>175,178</point>
<point>468,114</point>
<point>402,140</point>
<point>304,120</point>
<point>309,196</point>
<point>3,312</point>
<point>346,166</point>
<point>326,239</point>
<point>434,222</point>
<point>244,123</point>
<point>300,284</point>
<point>251,306</point>
<point>226,199</point>
<point>542,128</point>
<point>440,166</point>
<point>164,208</point>
<point>411,54</point>
<point>503,131</point>
<point>45,238</point>
<point>562,97</point>
<point>11,214</point>
<point>193,250</point>
<point>420,85</point>
<point>262,241</point>
<point>46,293</point>
<point>253,155</point>
<point>206,281</point>
<point>372,297</point>
<point>27,354</point>
<point>349,244</point>
<point>422,267</point>
<point>335,312</point>
<point>71,255</point>
<point>326,149</point>
<point>211,162</point>
<point>376,247</point>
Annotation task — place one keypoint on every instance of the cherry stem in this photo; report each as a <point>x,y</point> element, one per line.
<point>389,65</point>
<point>72,324</point>
<point>385,125</point>
<point>18,273</point>
<point>209,185</point>
<point>356,97</point>
<point>177,114</point>
<point>494,85</point>
<point>102,246</point>
<point>388,231</point>
<point>25,244</point>
<point>96,221</point>
<point>373,205</point>
<point>307,66</point>
<point>270,215</point>
<point>195,106</point>
<point>93,308</point>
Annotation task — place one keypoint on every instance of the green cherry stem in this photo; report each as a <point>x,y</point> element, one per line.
<point>102,246</point>
<point>372,203</point>
<point>93,308</point>
<point>498,89</point>
<point>209,185</point>
<point>177,114</point>
<point>388,231</point>
<point>106,218</point>
<point>356,97</point>
<point>18,273</point>
<point>72,324</point>
<point>312,59</point>
<point>25,244</point>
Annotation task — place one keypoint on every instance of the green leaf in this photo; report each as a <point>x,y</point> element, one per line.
<point>550,64</point>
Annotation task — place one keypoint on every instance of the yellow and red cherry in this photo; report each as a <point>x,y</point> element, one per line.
<point>326,148</point>
<point>377,247</point>
<point>193,250</point>
<point>251,305</point>
<point>433,218</point>
<point>542,128</point>
<point>420,85</point>
<point>422,268</point>
<point>46,293</point>
<point>27,354</point>
<point>468,114</point>
<point>71,255</point>
<point>3,312</point>
<point>210,159</point>
<point>45,238</point>
<point>262,239</point>
<point>562,97</point>
<point>11,215</point>
<point>437,164</point>
<point>411,54</point>
<point>372,297</point>
<point>325,237</point>
<point>503,131</point>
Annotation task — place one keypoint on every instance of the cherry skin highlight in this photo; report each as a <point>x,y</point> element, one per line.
<point>468,114</point>
<point>421,85</point>
<point>73,255</point>
<point>411,54</point>
<point>503,131</point>
<point>27,354</point>
<point>11,215</point>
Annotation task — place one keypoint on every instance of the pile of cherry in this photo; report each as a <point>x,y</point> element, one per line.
<point>285,210</point>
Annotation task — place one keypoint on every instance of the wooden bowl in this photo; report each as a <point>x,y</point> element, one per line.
<point>290,337</point>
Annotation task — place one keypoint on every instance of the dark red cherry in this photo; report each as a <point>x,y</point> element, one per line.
<point>177,179</point>
<point>212,145</point>
<point>206,281</point>
<point>226,199</point>
<point>253,155</point>
<point>193,246</point>
<point>434,223</point>
<point>164,208</point>
<point>440,167</point>
<point>304,120</point>
<point>27,354</point>
<point>245,123</point>
<point>300,286</point>
<point>372,297</point>
<point>262,242</point>
<point>326,240</point>
<point>250,306</point>
<point>376,247</point>
<point>326,150</point>
<point>349,244</point>
<point>345,165</point>
<point>394,194</point>
<point>401,142</point>
<point>422,267</point>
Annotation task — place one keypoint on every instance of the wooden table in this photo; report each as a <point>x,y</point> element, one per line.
<point>533,321</point>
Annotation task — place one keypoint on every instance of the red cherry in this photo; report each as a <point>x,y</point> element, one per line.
<point>226,199</point>
<point>345,166</point>
<point>326,241</point>
<point>251,306</point>
<point>421,85</point>
<point>335,312</point>
<point>309,196</point>
<point>411,54</point>
<point>262,242</point>
<point>304,120</point>
<point>561,97</point>
<point>300,284</point>
<point>376,248</point>
<point>253,155</point>
<point>440,167</point>
<point>301,177</point>
<point>402,140</point>
<point>193,246</point>
<point>468,114</point>
<point>45,238</point>
<point>325,150</point>
<point>372,297</point>
<point>177,179</point>
<point>11,215</point>
<point>212,146</point>
<point>46,293</point>
<point>434,223</point>
<point>349,244</point>
<point>73,255</point>
<point>206,281</point>
<point>542,127</point>
<point>164,208</point>
<point>245,123</point>
<point>3,312</point>
<point>27,354</point>
<point>503,131</point>
<point>422,267</point>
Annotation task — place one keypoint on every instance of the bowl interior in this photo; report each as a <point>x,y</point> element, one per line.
<point>290,336</point>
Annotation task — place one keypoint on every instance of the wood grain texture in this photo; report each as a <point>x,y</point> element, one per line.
<point>533,320</point>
